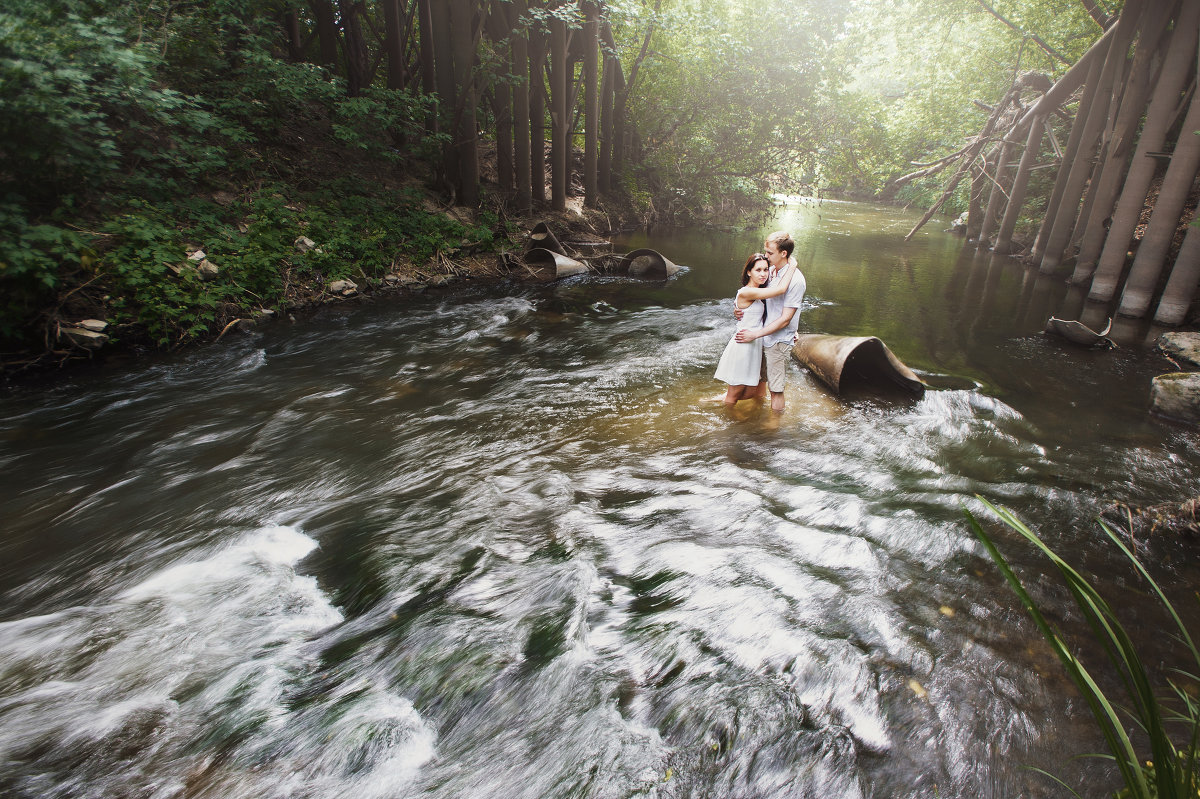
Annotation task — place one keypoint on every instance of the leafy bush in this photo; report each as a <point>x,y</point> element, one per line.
<point>146,290</point>
<point>31,258</point>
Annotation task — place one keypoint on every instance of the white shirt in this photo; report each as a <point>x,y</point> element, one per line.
<point>792,298</point>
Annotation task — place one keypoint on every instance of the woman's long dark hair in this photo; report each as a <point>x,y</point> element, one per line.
<point>750,262</point>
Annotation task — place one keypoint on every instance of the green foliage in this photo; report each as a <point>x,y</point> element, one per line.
<point>31,258</point>
<point>1169,770</point>
<point>358,232</point>
<point>147,291</point>
<point>122,117</point>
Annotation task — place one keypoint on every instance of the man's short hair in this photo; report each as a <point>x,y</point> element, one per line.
<point>783,241</point>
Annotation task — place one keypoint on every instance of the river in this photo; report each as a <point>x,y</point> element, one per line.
<point>489,542</point>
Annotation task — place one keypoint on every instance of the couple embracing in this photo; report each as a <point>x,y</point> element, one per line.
<point>768,311</point>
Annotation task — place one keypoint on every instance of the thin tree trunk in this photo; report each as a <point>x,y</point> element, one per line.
<point>358,58</point>
<point>1016,197</point>
<point>997,196</point>
<point>1181,55</point>
<point>537,116</point>
<point>462,30</point>
<point>291,24</point>
<point>428,75</point>
<point>443,71</point>
<point>1181,285</point>
<point>1079,169</point>
<point>327,35</point>
<point>591,102</point>
<point>1122,134</point>
<point>560,114</point>
<point>393,44</point>
<point>519,55</point>
<point>604,167</point>
<point>1164,221</point>
<point>979,179</point>
<point>501,95</point>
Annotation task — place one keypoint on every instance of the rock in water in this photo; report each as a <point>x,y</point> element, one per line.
<point>1177,396</point>
<point>1181,346</point>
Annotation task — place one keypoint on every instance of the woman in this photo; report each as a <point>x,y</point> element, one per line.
<point>741,364</point>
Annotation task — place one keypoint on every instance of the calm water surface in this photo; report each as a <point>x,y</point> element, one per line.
<point>489,543</point>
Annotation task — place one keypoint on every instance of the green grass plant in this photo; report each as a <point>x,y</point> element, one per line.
<point>1152,762</point>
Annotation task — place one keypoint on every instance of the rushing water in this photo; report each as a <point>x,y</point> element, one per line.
<point>490,543</point>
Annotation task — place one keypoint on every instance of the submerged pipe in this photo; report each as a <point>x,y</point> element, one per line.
<point>543,264</point>
<point>844,361</point>
<point>648,264</point>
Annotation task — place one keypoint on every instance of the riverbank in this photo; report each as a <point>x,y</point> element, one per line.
<point>175,277</point>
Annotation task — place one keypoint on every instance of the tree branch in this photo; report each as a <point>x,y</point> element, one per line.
<point>1049,50</point>
<point>1098,14</point>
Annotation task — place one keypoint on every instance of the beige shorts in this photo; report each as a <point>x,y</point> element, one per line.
<point>777,358</point>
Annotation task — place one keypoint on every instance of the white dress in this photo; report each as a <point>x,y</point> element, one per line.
<point>741,364</point>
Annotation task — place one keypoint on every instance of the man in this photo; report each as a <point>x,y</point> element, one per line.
<point>779,334</point>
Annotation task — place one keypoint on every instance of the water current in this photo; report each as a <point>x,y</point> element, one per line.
<point>489,542</point>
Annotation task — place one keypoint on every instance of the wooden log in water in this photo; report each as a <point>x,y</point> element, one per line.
<point>842,362</point>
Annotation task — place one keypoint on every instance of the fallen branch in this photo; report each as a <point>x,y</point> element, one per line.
<point>226,329</point>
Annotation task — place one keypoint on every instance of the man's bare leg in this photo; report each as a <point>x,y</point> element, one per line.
<point>777,401</point>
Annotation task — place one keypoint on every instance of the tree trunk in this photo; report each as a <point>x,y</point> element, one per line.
<point>519,54</point>
<point>975,201</point>
<point>1181,286</point>
<point>1016,198</point>
<point>1164,221</point>
<point>327,35</point>
<point>620,96</point>
<point>1181,54</point>
<point>428,84</point>
<point>462,43</point>
<point>1082,111</point>
<point>997,195</point>
<point>560,114</point>
<point>500,31</point>
<point>604,167</point>
<point>291,24</point>
<point>358,58</point>
<point>1079,169</point>
<point>393,44</point>
<point>591,102</point>
<point>537,116</point>
<point>444,85</point>
<point>1121,135</point>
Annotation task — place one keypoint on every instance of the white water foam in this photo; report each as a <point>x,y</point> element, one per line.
<point>201,657</point>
